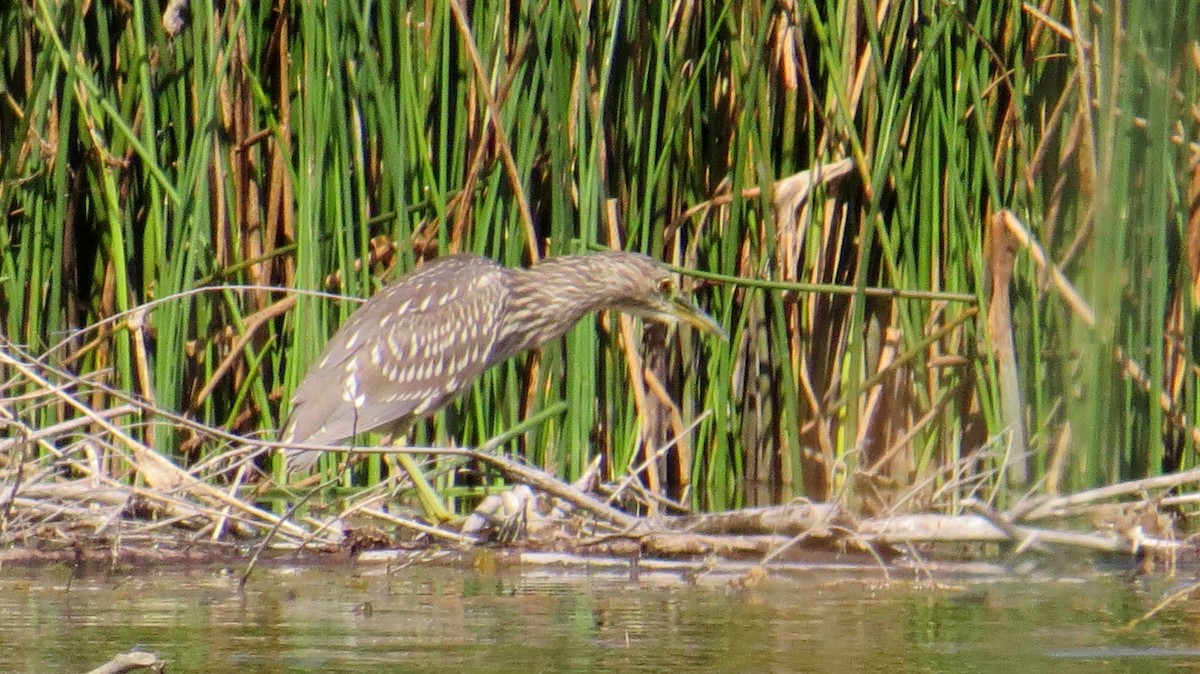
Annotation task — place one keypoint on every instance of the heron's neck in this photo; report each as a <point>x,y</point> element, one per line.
<point>549,298</point>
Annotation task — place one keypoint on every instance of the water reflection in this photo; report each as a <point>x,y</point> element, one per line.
<point>437,619</point>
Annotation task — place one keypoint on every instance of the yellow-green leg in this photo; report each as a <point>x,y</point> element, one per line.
<point>435,510</point>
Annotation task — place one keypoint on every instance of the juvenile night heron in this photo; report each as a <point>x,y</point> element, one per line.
<point>427,336</point>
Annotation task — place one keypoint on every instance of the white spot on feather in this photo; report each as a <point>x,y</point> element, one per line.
<point>350,392</point>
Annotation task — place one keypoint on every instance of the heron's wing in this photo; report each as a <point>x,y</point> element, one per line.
<point>404,353</point>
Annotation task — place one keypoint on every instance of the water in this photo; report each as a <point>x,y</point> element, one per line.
<point>356,619</point>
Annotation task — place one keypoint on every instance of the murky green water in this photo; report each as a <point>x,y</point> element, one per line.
<point>437,619</point>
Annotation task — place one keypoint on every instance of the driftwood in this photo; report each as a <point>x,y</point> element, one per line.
<point>813,519</point>
<point>127,662</point>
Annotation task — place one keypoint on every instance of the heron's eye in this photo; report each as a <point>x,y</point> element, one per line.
<point>666,286</point>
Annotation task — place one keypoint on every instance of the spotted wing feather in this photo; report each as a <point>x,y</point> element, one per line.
<point>405,353</point>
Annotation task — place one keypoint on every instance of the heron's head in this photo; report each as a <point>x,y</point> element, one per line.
<point>651,290</point>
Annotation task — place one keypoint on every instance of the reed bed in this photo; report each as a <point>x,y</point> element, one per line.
<point>103,499</point>
<point>956,245</point>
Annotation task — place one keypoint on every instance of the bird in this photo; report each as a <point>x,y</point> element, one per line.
<point>427,336</point>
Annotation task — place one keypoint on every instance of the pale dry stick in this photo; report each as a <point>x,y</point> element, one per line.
<point>83,491</point>
<point>933,528</point>
<point>644,495</point>
<point>1050,507</point>
<point>1182,499</point>
<point>51,511</point>
<point>417,526</point>
<point>1054,25</point>
<point>1061,283</point>
<point>370,495</point>
<point>229,460</point>
<point>1100,513</point>
<point>38,394</point>
<point>219,525</point>
<point>624,484</point>
<point>1174,597</point>
<point>62,427</point>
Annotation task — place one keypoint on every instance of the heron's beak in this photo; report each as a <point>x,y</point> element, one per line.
<point>692,315</point>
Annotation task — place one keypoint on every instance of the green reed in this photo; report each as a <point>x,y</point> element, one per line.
<point>333,146</point>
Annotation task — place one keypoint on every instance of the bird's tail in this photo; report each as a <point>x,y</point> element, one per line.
<point>296,460</point>
<point>299,460</point>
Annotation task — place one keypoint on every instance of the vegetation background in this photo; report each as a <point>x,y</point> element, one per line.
<point>1027,173</point>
